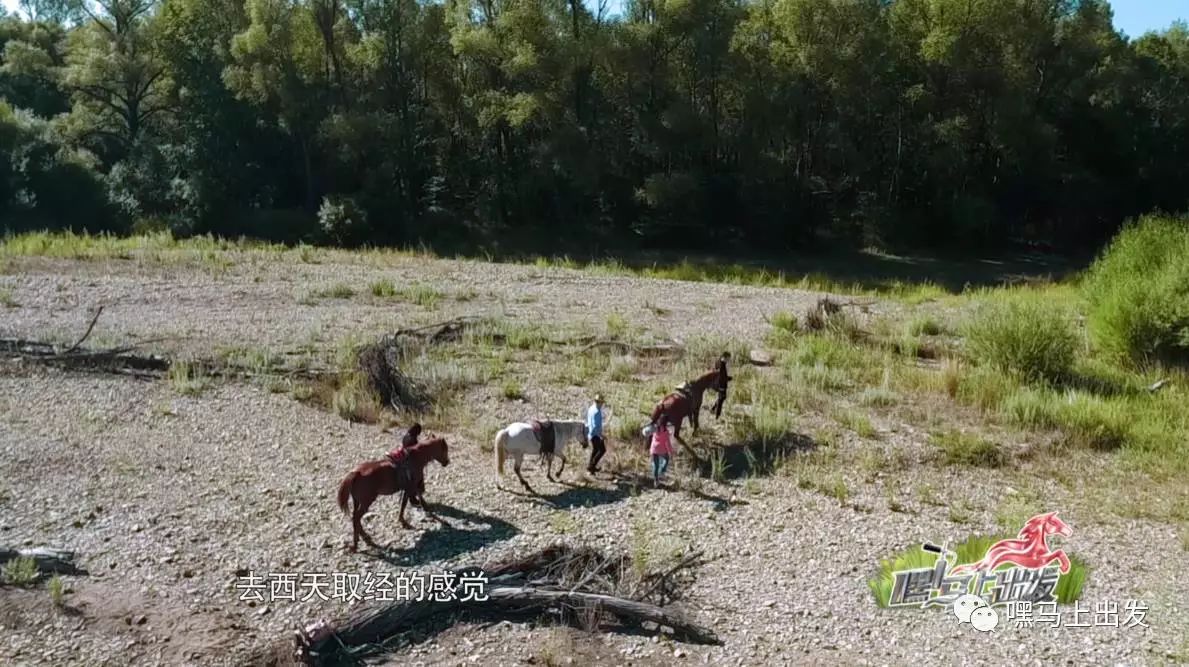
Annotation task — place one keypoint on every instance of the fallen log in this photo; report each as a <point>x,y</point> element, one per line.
<point>120,360</point>
<point>47,559</point>
<point>575,583</point>
<point>638,350</point>
<point>437,332</point>
<point>373,625</point>
<point>115,360</point>
<point>519,596</point>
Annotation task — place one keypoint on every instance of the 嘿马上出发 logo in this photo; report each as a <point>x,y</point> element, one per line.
<point>1024,569</point>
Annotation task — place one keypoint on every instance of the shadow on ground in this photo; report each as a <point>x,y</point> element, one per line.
<point>444,541</point>
<point>867,270</point>
<point>751,459</point>
<point>574,495</point>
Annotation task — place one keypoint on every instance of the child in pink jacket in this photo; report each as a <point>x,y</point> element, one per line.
<point>661,450</point>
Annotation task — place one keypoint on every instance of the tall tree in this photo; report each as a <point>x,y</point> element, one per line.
<point>116,77</point>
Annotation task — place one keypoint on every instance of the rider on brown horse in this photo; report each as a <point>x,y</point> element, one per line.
<point>721,384</point>
<point>397,456</point>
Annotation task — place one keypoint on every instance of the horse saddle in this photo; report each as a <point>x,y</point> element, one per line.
<point>545,435</point>
<point>399,458</point>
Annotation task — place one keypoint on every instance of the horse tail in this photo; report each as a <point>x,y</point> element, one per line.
<point>501,443</point>
<point>345,490</point>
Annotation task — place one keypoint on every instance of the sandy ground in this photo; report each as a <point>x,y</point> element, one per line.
<point>166,497</point>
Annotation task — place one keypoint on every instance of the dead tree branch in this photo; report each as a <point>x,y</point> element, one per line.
<point>563,579</point>
<point>87,333</point>
<point>638,350</point>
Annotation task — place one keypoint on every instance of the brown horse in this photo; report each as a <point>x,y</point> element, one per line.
<point>684,403</point>
<point>381,478</point>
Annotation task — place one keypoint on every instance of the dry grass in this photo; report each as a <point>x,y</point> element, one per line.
<point>188,377</point>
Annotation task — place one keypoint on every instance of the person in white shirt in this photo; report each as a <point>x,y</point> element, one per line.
<point>594,433</point>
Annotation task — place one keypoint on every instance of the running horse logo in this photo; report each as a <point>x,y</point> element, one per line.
<point>1030,549</point>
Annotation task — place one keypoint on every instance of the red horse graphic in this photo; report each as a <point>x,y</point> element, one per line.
<point>1030,549</point>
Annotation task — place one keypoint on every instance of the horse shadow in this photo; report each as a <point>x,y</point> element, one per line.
<point>447,539</point>
<point>752,458</point>
<point>642,483</point>
<point>579,495</point>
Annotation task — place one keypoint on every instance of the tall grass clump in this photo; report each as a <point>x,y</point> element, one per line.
<point>188,377</point>
<point>1086,420</point>
<point>765,425</point>
<point>1138,293</point>
<point>383,288</point>
<point>960,448</point>
<point>20,571</point>
<point>1023,335</point>
<point>356,402</point>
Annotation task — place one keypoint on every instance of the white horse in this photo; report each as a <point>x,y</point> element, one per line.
<point>518,439</point>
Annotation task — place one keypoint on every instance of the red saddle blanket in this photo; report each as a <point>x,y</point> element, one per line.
<point>398,455</point>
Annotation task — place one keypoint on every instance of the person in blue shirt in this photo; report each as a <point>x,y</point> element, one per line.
<point>594,433</point>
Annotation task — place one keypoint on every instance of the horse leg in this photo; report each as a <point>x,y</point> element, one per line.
<point>549,467</point>
<point>404,499</point>
<point>428,512</point>
<point>356,526</point>
<point>357,522</point>
<point>563,467</point>
<point>683,443</point>
<point>516,469</point>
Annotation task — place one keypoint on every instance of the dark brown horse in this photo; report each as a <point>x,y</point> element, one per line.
<point>683,403</point>
<point>381,478</point>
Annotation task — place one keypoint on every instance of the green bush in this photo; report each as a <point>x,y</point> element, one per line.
<point>961,448</point>
<point>1024,335</point>
<point>1138,292</point>
<point>44,184</point>
<point>342,220</point>
<point>1087,421</point>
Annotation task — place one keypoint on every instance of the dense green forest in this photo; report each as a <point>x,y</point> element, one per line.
<point>694,123</point>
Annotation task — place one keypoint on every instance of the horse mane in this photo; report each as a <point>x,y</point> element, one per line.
<point>1035,526</point>
<point>705,378</point>
<point>426,446</point>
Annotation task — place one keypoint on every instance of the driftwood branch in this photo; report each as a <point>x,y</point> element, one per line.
<point>437,332</point>
<point>120,360</point>
<point>622,607</point>
<point>638,350</point>
<point>659,579</point>
<point>87,333</point>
